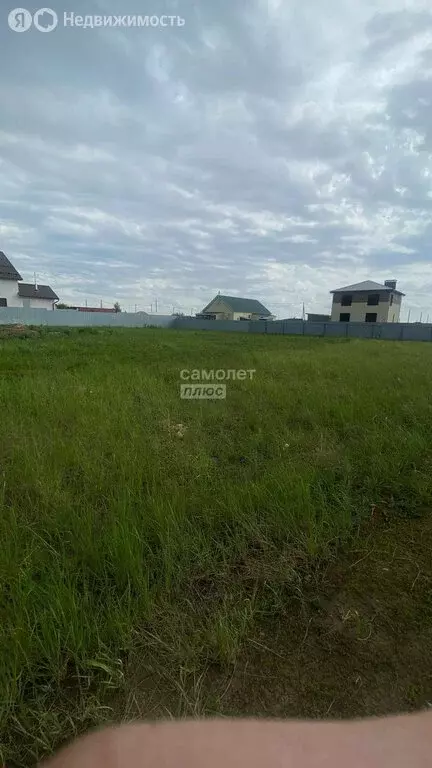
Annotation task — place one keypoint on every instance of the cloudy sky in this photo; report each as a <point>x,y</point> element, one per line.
<point>267,148</point>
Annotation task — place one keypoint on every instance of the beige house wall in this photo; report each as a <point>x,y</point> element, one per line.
<point>223,312</point>
<point>359,308</point>
<point>219,309</point>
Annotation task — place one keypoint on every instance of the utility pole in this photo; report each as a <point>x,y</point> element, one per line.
<point>409,315</point>
<point>421,315</point>
<point>135,308</point>
<point>156,306</point>
<point>151,308</point>
<point>303,312</point>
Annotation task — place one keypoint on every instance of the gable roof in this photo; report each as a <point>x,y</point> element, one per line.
<point>366,285</point>
<point>7,270</point>
<point>237,304</point>
<point>29,291</point>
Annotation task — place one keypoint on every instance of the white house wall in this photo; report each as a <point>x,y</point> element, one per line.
<point>9,291</point>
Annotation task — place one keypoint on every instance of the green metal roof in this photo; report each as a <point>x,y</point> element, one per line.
<point>236,304</point>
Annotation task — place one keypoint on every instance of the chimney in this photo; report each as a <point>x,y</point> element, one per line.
<point>390,284</point>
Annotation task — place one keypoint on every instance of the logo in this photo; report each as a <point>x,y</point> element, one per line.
<point>45,20</point>
<point>202,392</point>
<point>20,20</point>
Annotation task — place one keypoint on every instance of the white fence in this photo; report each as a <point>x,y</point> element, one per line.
<point>73,318</point>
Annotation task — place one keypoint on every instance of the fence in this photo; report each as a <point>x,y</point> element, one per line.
<point>72,318</point>
<point>389,331</point>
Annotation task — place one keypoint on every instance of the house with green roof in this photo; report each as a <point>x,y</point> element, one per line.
<point>235,308</point>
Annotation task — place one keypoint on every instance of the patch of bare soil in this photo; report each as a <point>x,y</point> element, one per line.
<point>356,642</point>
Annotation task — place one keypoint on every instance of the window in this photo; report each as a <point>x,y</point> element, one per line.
<point>346,300</point>
<point>344,317</point>
<point>3,302</point>
<point>391,299</point>
<point>371,317</point>
<point>373,299</point>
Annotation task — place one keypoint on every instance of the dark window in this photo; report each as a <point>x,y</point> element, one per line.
<point>373,299</point>
<point>3,302</point>
<point>371,317</point>
<point>344,317</point>
<point>391,299</point>
<point>346,300</point>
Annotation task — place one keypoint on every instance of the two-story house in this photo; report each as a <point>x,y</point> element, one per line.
<point>14,293</point>
<point>368,302</point>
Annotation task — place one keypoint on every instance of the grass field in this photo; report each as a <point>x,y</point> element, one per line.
<point>270,557</point>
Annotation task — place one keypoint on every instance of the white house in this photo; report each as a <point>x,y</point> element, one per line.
<point>14,293</point>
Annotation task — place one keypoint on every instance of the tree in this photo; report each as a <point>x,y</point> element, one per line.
<point>62,306</point>
<point>117,307</point>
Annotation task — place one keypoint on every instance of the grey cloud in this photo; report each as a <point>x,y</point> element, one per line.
<point>269,148</point>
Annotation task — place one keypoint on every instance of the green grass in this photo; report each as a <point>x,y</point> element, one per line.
<point>122,540</point>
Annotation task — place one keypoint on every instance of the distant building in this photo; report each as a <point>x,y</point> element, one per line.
<point>91,309</point>
<point>318,318</point>
<point>14,293</point>
<point>235,308</point>
<point>368,302</point>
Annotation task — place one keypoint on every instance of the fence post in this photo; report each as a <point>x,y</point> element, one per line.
<point>346,330</point>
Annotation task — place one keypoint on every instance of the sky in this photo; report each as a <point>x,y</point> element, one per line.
<point>266,148</point>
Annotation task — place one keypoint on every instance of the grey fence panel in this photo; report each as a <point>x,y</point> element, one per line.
<point>294,327</point>
<point>416,333</point>
<point>189,323</point>
<point>155,321</point>
<point>259,326</point>
<point>391,331</point>
<point>336,329</point>
<point>360,330</point>
<point>276,326</point>
<point>313,329</point>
